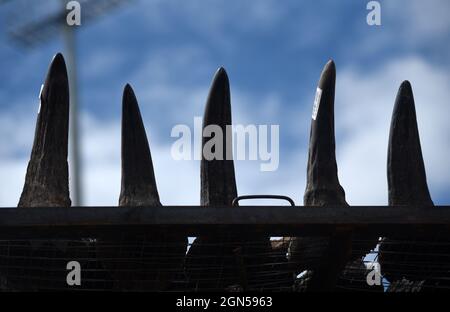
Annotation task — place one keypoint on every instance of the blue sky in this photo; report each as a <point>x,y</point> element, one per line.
<point>273,52</point>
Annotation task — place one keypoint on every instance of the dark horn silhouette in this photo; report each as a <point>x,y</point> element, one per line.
<point>47,178</point>
<point>323,186</point>
<point>46,185</point>
<point>325,256</point>
<point>138,186</point>
<point>407,180</point>
<point>412,257</point>
<point>226,260</point>
<point>218,183</point>
<point>157,258</point>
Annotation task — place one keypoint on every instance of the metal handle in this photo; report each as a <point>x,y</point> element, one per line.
<point>286,198</point>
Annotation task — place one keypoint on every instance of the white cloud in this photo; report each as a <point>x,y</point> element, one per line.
<point>419,20</point>
<point>407,25</point>
<point>216,16</point>
<point>364,106</point>
<point>12,177</point>
<point>16,134</point>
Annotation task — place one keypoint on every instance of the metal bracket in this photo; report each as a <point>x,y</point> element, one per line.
<point>286,198</point>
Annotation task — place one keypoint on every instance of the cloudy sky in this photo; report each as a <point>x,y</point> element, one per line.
<point>273,52</point>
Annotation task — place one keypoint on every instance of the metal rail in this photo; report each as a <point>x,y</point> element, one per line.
<point>195,220</point>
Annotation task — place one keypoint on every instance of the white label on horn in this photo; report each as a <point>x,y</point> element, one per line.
<point>40,100</point>
<point>316,103</point>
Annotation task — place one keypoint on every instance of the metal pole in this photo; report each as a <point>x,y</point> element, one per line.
<point>74,146</point>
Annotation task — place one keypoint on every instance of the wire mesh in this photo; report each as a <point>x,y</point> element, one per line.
<point>251,263</point>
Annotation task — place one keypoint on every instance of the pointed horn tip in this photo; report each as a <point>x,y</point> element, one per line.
<point>329,66</point>
<point>328,75</point>
<point>58,62</point>
<point>128,88</point>
<point>220,78</point>
<point>57,69</point>
<point>404,95</point>
<point>58,56</point>
<point>128,95</point>
<point>221,73</point>
<point>221,70</point>
<point>405,86</point>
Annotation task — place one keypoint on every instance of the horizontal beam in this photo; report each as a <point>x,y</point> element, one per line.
<point>195,220</point>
